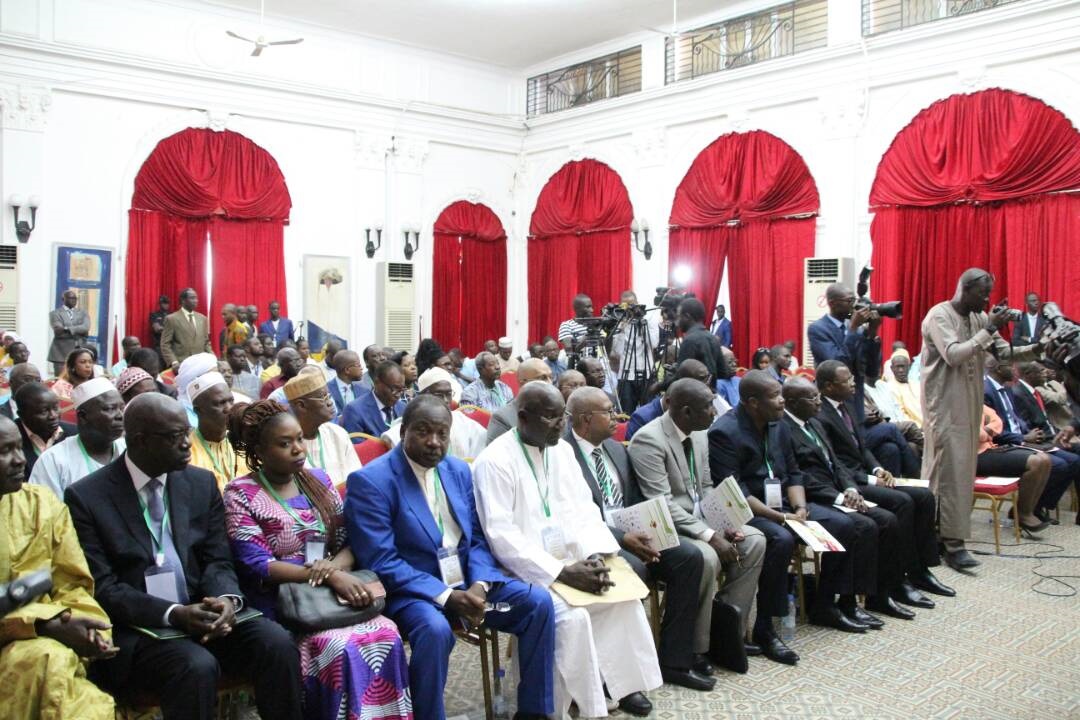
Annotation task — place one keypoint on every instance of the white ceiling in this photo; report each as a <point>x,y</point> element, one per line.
<point>509,33</point>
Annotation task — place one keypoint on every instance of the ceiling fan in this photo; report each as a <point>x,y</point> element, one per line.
<point>260,42</point>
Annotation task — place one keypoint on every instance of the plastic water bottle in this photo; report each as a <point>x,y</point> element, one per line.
<point>499,702</point>
<point>787,623</point>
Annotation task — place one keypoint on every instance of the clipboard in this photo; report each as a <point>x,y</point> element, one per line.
<point>628,586</point>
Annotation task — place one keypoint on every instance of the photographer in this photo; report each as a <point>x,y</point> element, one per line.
<point>698,343</point>
<point>849,335</point>
<point>572,333</point>
<point>638,364</point>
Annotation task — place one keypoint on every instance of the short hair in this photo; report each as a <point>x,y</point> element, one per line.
<point>185,292</point>
<point>145,358</point>
<point>422,402</point>
<point>581,396</point>
<point>484,357</point>
<point>165,299</point>
<point>827,371</point>
<point>385,368</point>
<point>233,348</point>
<point>693,309</point>
<point>1030,366</point>
<point>32,390</point>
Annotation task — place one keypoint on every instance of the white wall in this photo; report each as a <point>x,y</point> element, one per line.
<point>368,131</point>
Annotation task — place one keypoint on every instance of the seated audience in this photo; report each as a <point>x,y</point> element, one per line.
<point>904,389</point>
<point>898,451</point>
<point>568,382</point>
<point>754,447</point>
<point>286,524</point>
<point>530,370</point>
<point>211,450</point>
<point>194,366</point>
<point>39,422</point>
<point>1054,395</point>
<point>411,518</point>
<point>19,375</point>
<point>330,350</point>
<point>100,440</point>
<point>253,355</point>
<point>551,358</point>
<point>761,359</point>
<point>728,388</point>
<point>345,385</point>
<point>464,368</point>
<point>373,357</point>
<point>1031,466</point>
<point>430,354</point>
<point>269,353</point>
<point>407,362</point>
<point>1031,407</point>
<point>689,368</point>
<point>374,412</point>
<point>538,515</point>
<point>134,381</point>
<point>327,445</point>
<point>149,361</point>
<point>244,380</point>
<point>780,368</point>
<point>507,361</point>
<point>47,643</point>
<point>153,530</point>
<point>467,437</point>
<point>487,391</point>
<point>17,352</point>
<point>289,364</point>
<point>596,376</point>
<point>78,369</point>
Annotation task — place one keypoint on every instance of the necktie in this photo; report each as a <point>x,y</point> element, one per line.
<point>1009,411</point>
<point>610,489</point>
<point>156,506</point>
<point>388,411</point>
<point>191,318</point>
<point>1039,400</point>
<point>847,418</point>
<point>688,451</point>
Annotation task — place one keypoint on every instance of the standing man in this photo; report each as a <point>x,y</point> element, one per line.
<point>1031,325</point>
<point>721,326</point>
<point>157,320</point>
<point>847,335</point>
<point>251,320</point>
<point>280,328</point>
<point>235,332</point>
<point>185,332</point>
<point>697,342</point>
<point>956,337</point>
<point>70,326</point>
<point>507,361</point>
<point>637,363</point>
<point>487,391</point>
<point>571,332</point>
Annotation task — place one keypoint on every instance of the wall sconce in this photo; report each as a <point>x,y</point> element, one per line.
<point>23,228</point>
<point>411,248</point>
<point>370,247</point>
<point>641,226</point>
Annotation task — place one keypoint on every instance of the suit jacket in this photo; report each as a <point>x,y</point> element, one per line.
<point>722,330</point>
<point>179,340</point>
<point>30,452</point>
<point>108,518</point>
<point>1027,408</point>
<point>854,349</point>
<point>855,458</point>
<point>620,458</point>
<point>643,416</point>
<point>358,390</point>
<point>67,334</point>
<point>700,344</point>
<point>363,415</point>
<point>737,449</point>
<point>1021,334</point>
<point>502,420</point>
<point>285,329</point>
<point>822,474</point>
<point>992,399</point>
<point>661,468</point>
<point>393,532</point>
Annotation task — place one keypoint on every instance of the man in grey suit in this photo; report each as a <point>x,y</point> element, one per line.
<point>506,417</point>
<point>70,326</point>
<point>185,332</point>
<point>671,458</point>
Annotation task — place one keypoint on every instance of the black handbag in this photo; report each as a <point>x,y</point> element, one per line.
<point>306,609</point>
<point>726,647</point>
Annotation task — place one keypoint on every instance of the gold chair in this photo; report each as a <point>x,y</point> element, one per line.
<point>995,496</point>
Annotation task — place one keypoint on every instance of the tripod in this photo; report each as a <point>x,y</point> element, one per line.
<point>593,346</point>
<point>637,367</point>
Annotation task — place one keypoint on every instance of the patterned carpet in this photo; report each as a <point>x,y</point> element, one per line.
<point>996,651</point>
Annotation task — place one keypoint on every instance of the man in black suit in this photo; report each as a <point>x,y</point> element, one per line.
<point>877,533</point>
<point>751,445</point>
<point>915,508</point>
<point>39,421</point>
<point>697,342</point>
<point>153,530</point>
<point>1030,327</point>
<point>606,466</point>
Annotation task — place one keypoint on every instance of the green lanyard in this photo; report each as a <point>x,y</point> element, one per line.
<point>292,513</point>
<point>90,462</point>
<point>496,393</point>
<point>438,501</point>
<point>159,539</point>
<point>693,475</point>
<point>542,492</point>
<point>811,434</point>
<point>322,454</point>
<point>768,465</point>
<point>210,454</point>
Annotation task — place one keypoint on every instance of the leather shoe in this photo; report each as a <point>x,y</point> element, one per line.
<point>859,615</point>
<point>887,606</point>
<point>1044,515</point>
<point>832,617</point>
<point>702,666</point>
<point>636,704</point>
<point>908,595</point>
<point>775,649</point>
<point>687,678</point>
<point>752,649</point>
<point>960,560</point>
<point>927,582</point>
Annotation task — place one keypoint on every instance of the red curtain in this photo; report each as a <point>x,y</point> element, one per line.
<point>968,183</point>
<point>750,199</point>
<point>194,181</point>
<point>469,293</point>
<point>579,242</point>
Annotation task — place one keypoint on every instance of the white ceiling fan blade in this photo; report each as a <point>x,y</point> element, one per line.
<point>230,33</point>
<point>287,42</point>
<point>257,51</point>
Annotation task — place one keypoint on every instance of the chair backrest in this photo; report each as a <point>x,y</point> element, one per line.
<point>478,414</point>
<point>620,432</point>
<point>510,378</point>
<point>370,449</point>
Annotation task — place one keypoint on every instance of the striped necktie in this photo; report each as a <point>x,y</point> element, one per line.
<point>610,488</point>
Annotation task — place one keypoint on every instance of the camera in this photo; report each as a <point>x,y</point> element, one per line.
<point>668,299</point>
<point>24,590</point>
<point>1063,333</point>
<point>622,311</point>
<point>893,309</point>
<point>1012,314</point>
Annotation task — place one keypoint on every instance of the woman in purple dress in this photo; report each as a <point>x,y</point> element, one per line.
<point>285,524</point>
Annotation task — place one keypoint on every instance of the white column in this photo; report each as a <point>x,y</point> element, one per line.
<point>371,193</point>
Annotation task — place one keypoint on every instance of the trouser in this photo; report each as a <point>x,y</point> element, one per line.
<point>888,573</point>
<point>630,394</point>
<point>1064,471</point>
<point>531,618</point>
<point>915,510</point>
<point>740,580</point>
<point>680,568</point>
<point>891,449</point>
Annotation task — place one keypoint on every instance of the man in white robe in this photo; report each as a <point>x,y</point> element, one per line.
<point>467,437</point>
<point>537,513</point>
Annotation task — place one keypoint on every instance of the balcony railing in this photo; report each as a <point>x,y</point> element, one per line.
<point>605,77</point>
<point>778,31</point>
<point>881,16</point>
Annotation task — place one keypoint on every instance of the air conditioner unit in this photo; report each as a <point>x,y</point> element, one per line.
<point>9,287</point>
<point>395,306</point>
<point>818,274</point>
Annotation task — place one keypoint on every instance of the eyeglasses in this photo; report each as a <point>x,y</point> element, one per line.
<point>610,412</point>
<point>173,438</point>
<point>551,421</point>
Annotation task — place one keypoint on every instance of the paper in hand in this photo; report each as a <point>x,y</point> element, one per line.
<point>725,508</point>
<point>651,518</point>
<point>815,536</point>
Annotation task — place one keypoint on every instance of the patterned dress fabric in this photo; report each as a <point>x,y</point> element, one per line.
<point>349,673</point>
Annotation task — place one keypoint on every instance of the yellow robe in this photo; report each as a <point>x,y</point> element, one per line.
<point>218,457</point>
<point>41,677</point>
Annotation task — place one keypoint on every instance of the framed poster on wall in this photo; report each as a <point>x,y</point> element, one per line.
<point>327,299</point>
<point>87,271</point>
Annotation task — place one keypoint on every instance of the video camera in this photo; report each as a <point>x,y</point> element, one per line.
<point>1063,333</point>
<point>668,299</point>
<point>621,311</point>
<point>1012,314</point>
<point>893,310</point>
<point>24,590</point>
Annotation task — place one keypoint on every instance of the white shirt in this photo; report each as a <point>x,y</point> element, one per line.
<point>347,395</point>
<point>66,462</point>
<point>331,450</point>
<point>1032,321</point>
<point>883,397</point>
<point>467,437</point>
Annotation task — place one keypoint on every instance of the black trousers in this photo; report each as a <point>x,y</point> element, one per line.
<point>1064,471</point>
<point>891,449</point>
<point>680,569</point>
<point>915,510</point>
<point>630,393</point>
<point>887,572</point>
<point>184,673</point>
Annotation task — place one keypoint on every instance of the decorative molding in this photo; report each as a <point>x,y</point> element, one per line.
<point>737,120</point>
<point>370,149</point>
<point>972,77</point>
<point>841,113</point>
<point>24,108</point>
<point>650,145</point>
<point>577,151</point>
<point>473,195</point>
<point>217,119</point>
<point>409,154</point>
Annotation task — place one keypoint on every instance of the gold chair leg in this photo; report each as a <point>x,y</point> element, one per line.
<point>489,708</point>
<point>1015,496</point>
<point>654,614</point>
<point>994,505</point>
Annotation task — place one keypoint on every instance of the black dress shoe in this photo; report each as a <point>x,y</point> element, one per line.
<point>636,704</point>
<point>775,649</point>
<point>927,582</point>
<point>1044,515</point>
<point>687,678</point>
<point>871,621</point>
<point>908,595</point>
<point>960,560</point>
<point>832,617</point>
<point>887,606</point>
<point>752,649</point>
<point>702,666</point>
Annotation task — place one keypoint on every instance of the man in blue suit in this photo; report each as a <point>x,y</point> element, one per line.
<point>721,327</point>
<point>373,412</point>
<point>847,335</point>
<point>345,385</point>
<point>281,328</point>
<point>412,519</point>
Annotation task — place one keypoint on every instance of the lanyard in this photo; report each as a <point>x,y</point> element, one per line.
<point>544,493</point>
<point>768,465</point>
<point>693,475</point>
<point>288,508</point>
<point>811,434</point>
<point>210,454</point>
<point>322,454</point>
<point>494,392</point>
<point>90,462</point>
<point>159,539</point>
<point>438,505</point>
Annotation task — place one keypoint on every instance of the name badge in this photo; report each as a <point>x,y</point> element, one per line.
<point>314,549</point>
<point>697,510</point>
<point>773,497</point>
<point>450,568</point>
<point>161,583</point>
<point>554,542</point>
